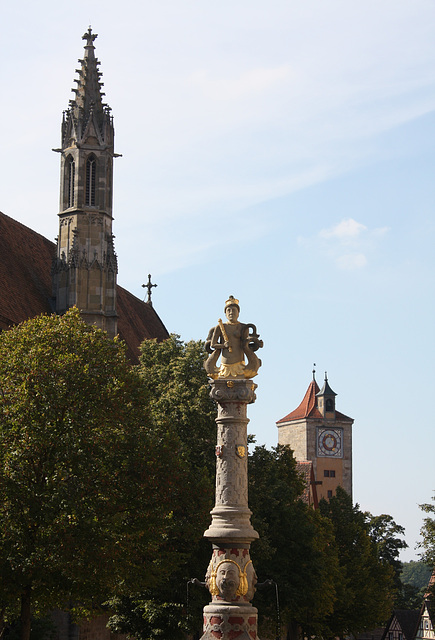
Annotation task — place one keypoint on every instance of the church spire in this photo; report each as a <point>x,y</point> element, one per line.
<point>84,271</point>
<point>87,107</point>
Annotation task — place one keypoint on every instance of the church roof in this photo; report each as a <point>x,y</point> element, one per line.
<point>308,407</point>
<point>25,272</point>
<point>26,290</point>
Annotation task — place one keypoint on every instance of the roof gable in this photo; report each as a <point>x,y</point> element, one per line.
<point>403,621</point>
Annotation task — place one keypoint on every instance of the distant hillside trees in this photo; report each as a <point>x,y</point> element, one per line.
<point>416,574</point>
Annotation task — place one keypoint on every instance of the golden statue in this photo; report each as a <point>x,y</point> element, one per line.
<point>233,341</point>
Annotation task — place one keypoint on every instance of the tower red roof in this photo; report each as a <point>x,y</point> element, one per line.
<point>308,407</point>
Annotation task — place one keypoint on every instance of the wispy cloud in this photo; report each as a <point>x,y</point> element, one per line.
<point>344,230</point>
<point>348,244</point>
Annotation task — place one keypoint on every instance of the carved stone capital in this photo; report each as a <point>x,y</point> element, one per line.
<point>224,391</point>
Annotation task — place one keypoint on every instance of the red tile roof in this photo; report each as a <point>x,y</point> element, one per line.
<point>25,287</point>
<point>137,320</point>
<point>25,272</point>
<point>308,408</point>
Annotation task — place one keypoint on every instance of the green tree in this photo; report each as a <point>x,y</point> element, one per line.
<point>386,533</point>
<point>173,374</point>
<point>428,535</point>
<point>80,516</point>
<point>365,590</point>
<point>175,381</point>
<point>296,547</point>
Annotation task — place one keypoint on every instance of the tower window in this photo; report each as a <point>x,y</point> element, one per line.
<point>91,173</point>
<point>329,473</point>
<point>71,172</point>
<point>329,404</point>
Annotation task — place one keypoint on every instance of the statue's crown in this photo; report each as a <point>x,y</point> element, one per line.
<point>232,300</point>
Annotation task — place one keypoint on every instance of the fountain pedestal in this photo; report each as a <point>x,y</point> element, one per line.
<point>231,577</point>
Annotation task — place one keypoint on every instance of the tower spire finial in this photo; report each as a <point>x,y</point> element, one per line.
<point>314,372</point>
<point>89,37</point>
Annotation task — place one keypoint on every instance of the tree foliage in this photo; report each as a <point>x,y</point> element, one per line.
<point>296,546</point>
<point>175,381</point>
<point>386,534</point>
<point>428,535</point>
<point>365,590</point>
<point>173,374</point>
<point>80,517</point>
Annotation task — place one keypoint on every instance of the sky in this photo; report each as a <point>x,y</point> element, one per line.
<point>281,152</point>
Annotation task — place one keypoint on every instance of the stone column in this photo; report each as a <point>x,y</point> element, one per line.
<point>231,577</point>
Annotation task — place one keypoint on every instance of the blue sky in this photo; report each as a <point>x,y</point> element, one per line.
<point>282,152</point>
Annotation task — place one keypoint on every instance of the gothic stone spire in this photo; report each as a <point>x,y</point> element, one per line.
<point>85,268</point>
<point>87,110</point>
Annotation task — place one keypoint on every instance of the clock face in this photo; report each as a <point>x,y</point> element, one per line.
<point>329,442</point>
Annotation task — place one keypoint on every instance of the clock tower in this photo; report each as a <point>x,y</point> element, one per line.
<point>318,433</point>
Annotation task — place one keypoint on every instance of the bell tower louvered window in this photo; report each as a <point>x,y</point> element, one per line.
<point>91,174</point>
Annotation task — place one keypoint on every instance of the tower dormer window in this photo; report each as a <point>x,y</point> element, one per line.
<point>71,172</point>
<point>91,174</point>
<point>329,404</point>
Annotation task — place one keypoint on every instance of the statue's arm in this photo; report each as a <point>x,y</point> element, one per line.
<point>217,340</point>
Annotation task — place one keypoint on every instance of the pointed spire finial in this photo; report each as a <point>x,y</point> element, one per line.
<point>89,37</point>
<point>326,376</point>
<point>314,372</point>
